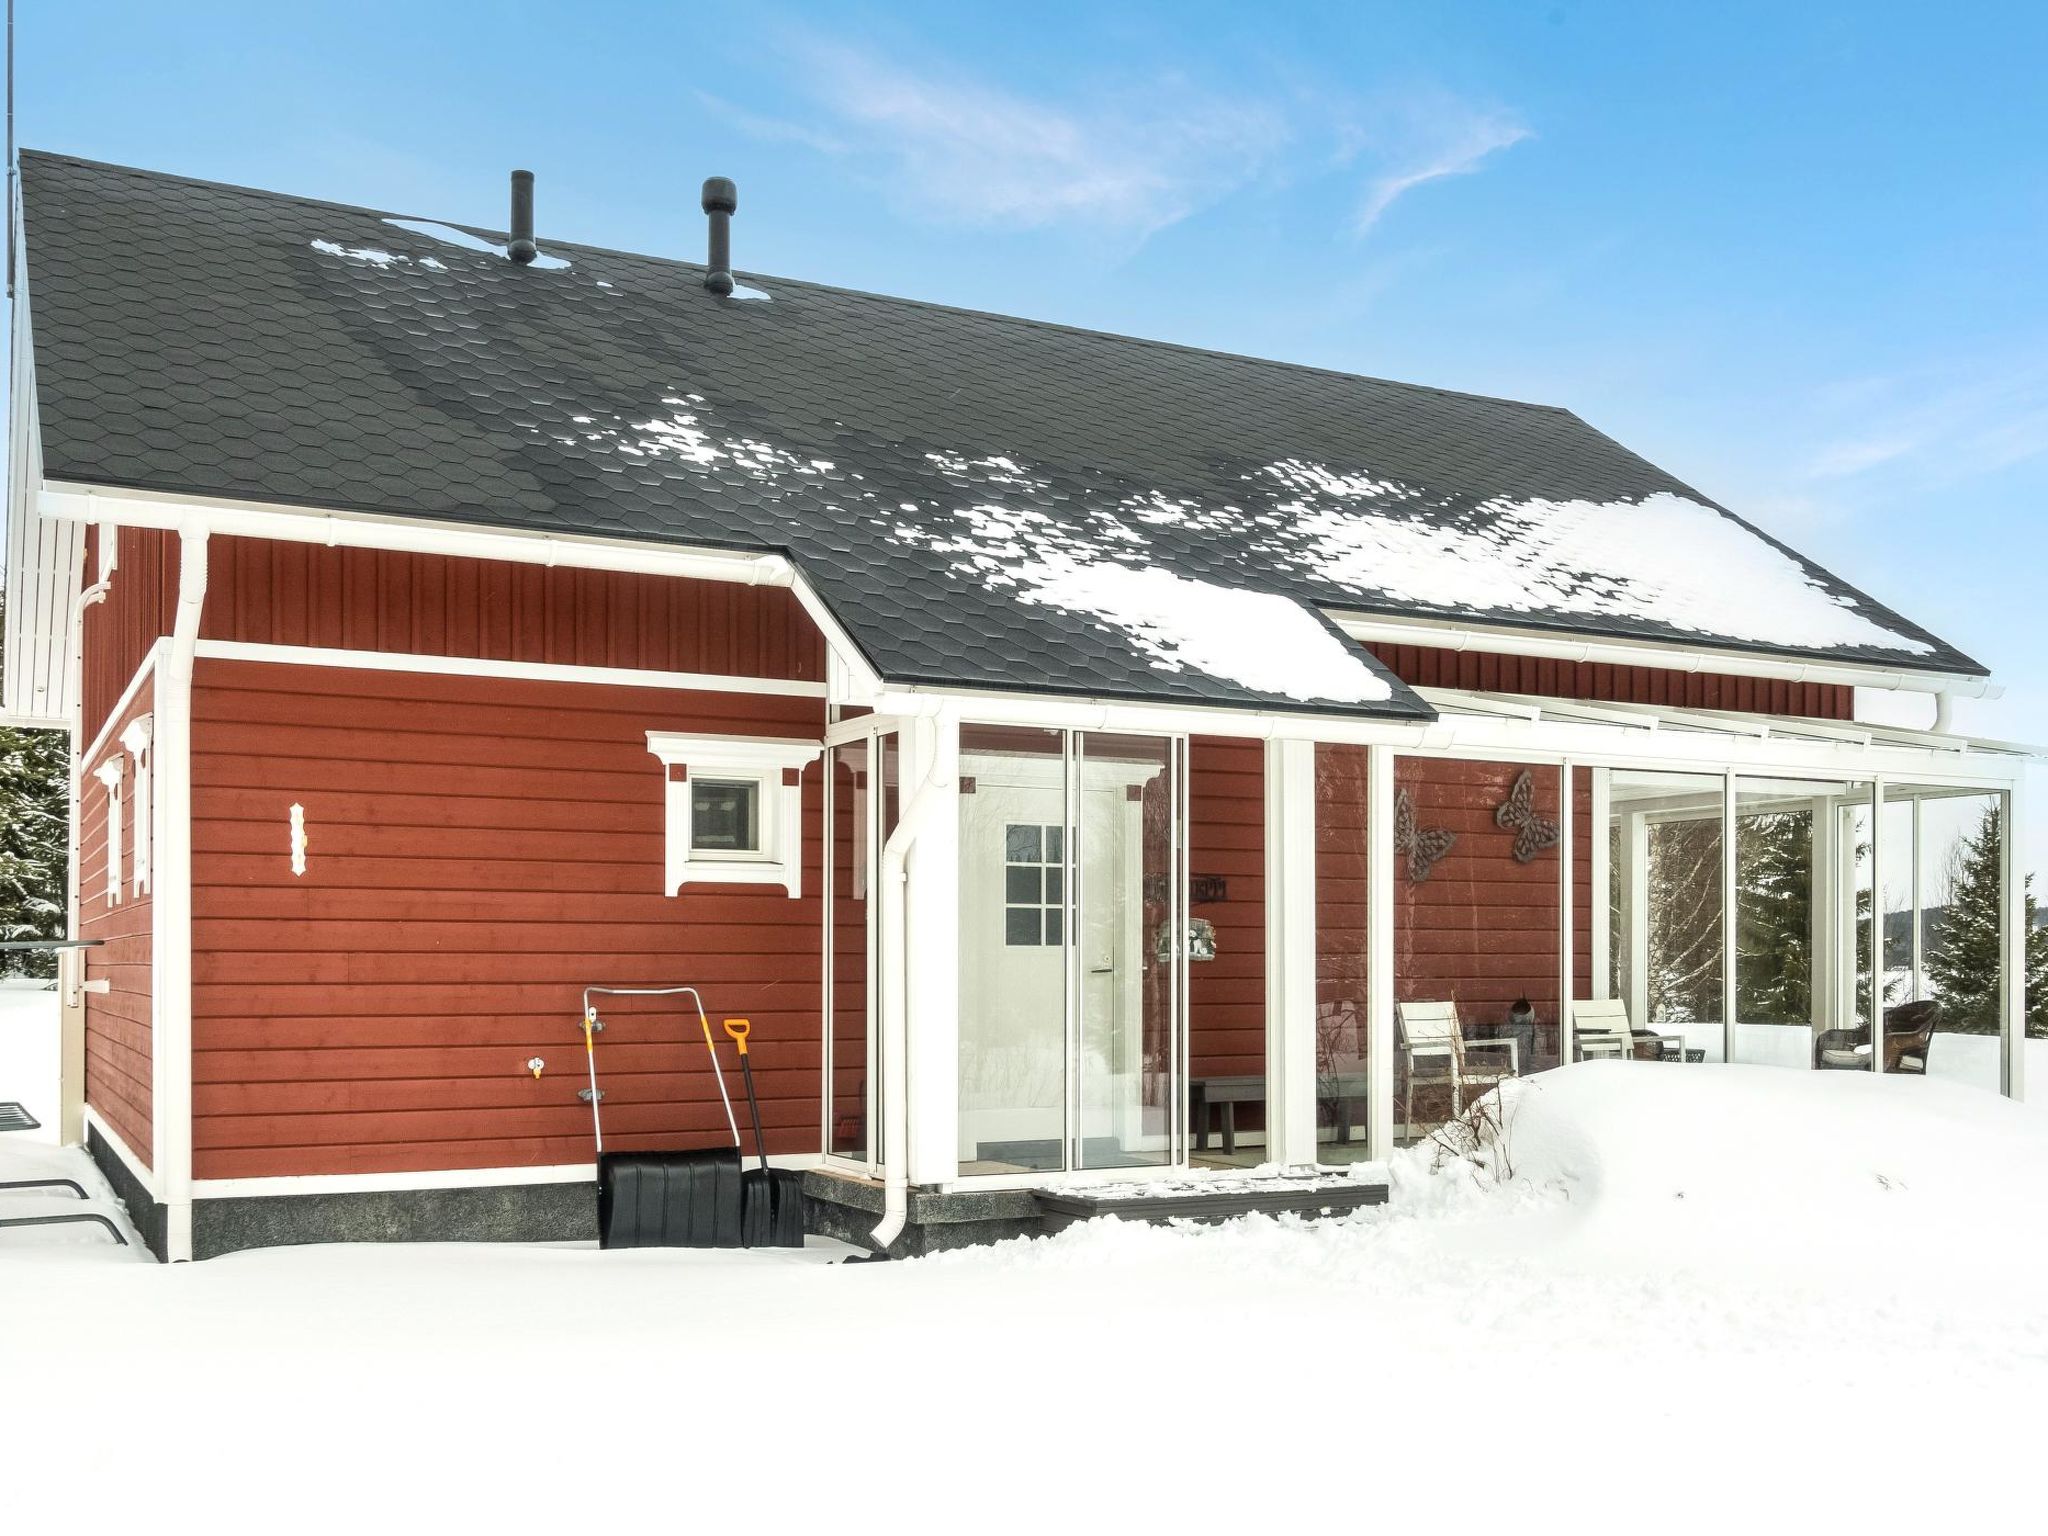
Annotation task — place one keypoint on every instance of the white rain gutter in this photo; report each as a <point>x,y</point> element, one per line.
<point>172,1103</point>
<point>1649,653</point>
<point>894,877</point>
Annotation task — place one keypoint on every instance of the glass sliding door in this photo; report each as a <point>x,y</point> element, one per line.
<point>1479,893</point>
<point>1343,945</point>
<point>1015,870</point>
<point>1779,890</point>
<point>1128,943</point>
<point>1667,944</point>
<point>1942,869</point>
<point>1073,897</point>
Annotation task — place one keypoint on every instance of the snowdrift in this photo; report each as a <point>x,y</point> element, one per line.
<point>1765,1168</point>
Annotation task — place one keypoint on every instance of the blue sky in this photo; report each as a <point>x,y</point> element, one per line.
<point>1796,254</point>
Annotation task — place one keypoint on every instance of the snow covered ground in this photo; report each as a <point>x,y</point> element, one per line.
<point>1708,1299</point>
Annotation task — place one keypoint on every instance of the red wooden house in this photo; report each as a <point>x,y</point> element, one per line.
<point>1086,761</point>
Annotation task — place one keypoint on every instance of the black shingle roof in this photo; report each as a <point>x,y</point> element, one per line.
<point>217,341</point>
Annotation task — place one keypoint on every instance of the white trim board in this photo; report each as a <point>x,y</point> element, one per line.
<point>146,669</point>
<point>444,1178</point>
<point>474,666</point>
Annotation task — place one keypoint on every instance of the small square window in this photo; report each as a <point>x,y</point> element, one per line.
<point>1021,844</point>
<point>1022,883</point>
<point>725,815</point>
<point>1020,925</point>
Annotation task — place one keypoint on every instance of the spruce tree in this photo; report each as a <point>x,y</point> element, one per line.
<point>1774,917</point>
<point>34,806</point>
<point>1964,953</point>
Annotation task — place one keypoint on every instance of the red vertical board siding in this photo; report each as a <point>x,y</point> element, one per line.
<point>267,592</point>
<point>135,612</point>
<point>1431,667</point>
<point>478,851</point>
<point>1227,842</point>
<point>263,591</point>
<point>118,1079</point>
<point>1482,928</point>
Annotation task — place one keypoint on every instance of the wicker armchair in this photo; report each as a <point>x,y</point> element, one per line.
<point>1908,1036</point>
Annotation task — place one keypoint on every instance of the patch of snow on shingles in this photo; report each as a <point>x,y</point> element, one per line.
<point>447,234</point>
<point>367,254</point>
<point>1666,559</point>
<point>749,295</point>
<point>1261,641</point>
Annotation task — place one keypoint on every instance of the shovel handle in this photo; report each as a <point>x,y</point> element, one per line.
<point>738,1029</point>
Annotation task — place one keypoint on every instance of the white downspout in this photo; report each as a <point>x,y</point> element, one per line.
<point>109,559</point>
<point>930,798</point>
<point>1944,708</point>
<point>172,896</point>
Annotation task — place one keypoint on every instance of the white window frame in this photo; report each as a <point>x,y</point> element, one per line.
<point>776,764</point>
<point>110,774</point>
<point>136,737</point>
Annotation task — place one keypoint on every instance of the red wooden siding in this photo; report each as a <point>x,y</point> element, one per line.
<point>436,605</point>
<point>267,591</point>
<point>1227,838</point>
<point>120,630</point>
<point>1482,929</point>
<point>117,1022</point>
<point>479,850</point>
<point>1429,667</point>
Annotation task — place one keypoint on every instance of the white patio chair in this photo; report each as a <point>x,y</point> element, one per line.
<point>1601,1030</point>
<point>1430,1032</point>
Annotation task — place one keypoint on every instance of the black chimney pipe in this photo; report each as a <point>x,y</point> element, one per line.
<point>721,202</point>
<point>522,249</point>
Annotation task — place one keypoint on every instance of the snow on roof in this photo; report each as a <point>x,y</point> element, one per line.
<point>448,234</point>
<point>1260,640</point>
<point>1666,558</point>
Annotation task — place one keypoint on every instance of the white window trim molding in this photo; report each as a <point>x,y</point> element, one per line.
<point>110,774</point>
<point>135,736</point>
<point>764,759</point>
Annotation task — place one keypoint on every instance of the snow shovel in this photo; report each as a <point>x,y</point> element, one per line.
<point>772,1207</point>
<point>665,1199</point>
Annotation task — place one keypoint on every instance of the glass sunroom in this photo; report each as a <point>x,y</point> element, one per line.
<point>1123,943</point>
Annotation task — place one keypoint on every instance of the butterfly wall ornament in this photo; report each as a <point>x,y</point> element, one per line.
<point>1423,845</point>
<point>1533,833</point>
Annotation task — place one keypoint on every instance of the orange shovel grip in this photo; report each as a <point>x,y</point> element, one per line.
<point>738,1028</point>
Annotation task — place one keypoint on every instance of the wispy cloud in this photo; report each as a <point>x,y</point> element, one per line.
<point>962,149</point>
<point>1122,160</point>
<point>770,130</point>
<point>1932,426</point>
<point>1412,138</point>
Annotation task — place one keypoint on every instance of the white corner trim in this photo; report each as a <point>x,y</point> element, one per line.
<point>446,1178</point>
<point>474,666</point>
<point>763,759</point>
<point>144,1176</point>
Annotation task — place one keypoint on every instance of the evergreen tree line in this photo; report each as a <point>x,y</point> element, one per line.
<point>35,799</point>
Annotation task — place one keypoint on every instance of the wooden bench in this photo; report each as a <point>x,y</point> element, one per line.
<point>1226,1093</point>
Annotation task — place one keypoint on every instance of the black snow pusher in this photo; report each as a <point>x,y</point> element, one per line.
<point>699,1199</point>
